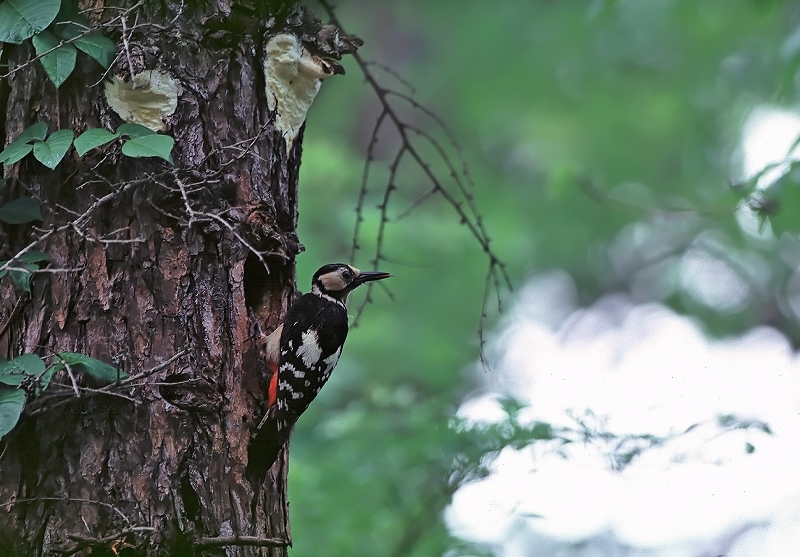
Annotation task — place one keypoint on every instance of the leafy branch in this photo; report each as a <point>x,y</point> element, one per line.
<point>57,48</point>
<point>137,141</point>
<point>27,376</point>
<point>483,442</point>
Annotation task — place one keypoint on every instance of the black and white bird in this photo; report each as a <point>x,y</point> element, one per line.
<point>302,353</point>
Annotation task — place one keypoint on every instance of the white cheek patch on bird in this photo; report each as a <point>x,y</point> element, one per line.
<point>310,351</point>
<point>333,282</point>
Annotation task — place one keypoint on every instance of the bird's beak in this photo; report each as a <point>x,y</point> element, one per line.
<point>367,276</point>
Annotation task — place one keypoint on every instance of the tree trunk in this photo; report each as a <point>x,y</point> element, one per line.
<point>170,273</point>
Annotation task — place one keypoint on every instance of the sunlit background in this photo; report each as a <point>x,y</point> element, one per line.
<point>635,164</point>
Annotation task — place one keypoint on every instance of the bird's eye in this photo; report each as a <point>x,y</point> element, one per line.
<point>347,275</point>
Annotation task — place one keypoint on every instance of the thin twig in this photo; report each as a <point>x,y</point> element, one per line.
<point>150,371</point>
<point>198,216</point>
<point>222,541</point>
<point>85,541</point>
<point>12,502</point>
<point>400,79</point>
<point>46,235</point>
<point>11,316</point>
<point>111,537</point>
<point>63,270</point>
<point>102,391</point>
<point>484,316</point>
<point>362,192</point>
<point>125,43</point>
<point>71,376</point>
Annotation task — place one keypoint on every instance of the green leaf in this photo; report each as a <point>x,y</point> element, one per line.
<point>149,146</point>
<point>15,152</point>
<point>20,211</point>
<point>19,148</point>
<point>134,130</point>
<point>11,403</point>
<point>13,372</point>
<point>92,138</point>
<point>95,368</point>
<point>98,47</point>
<point>34,257</point>
<point>59,63</point>
<point>34,132</point>
<point>12,380</point>
<point>22,19</point>
<point>52,150</point>
<point>29,364</point>
<point>69,22</point>
<point>28,261</point>
<point>44,379</point>
<point>23,278</point>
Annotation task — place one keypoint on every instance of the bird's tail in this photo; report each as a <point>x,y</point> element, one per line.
<point>265,445</point>
<point>267,439</point>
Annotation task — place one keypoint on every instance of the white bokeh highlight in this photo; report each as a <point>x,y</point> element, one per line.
<point>640,369</point>
<point>768,147</point>
<point>769,139</point>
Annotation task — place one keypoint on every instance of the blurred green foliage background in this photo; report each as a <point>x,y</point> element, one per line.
<point>603,137</point>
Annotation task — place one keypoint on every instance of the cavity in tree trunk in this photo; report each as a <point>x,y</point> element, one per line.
<point>170,273</point>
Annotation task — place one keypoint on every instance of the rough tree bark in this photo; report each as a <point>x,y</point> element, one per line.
<point>158,264</point>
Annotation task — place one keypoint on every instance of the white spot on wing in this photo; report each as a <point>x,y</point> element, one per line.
<point>310,351</point>
<point>331,363</point>
<point>333,358</point>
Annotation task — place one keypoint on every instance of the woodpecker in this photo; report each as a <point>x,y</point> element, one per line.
<point>302,353</point>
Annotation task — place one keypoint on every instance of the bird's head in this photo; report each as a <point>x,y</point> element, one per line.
<point>337,280</point>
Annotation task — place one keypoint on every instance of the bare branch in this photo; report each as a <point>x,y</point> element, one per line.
<point>149,372</point>
<point>205,543</point>
<point>72,378</point>
<point>11,316</point>
<point>13,502</point>
<point>456,189</point>
<point>199,216</point>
